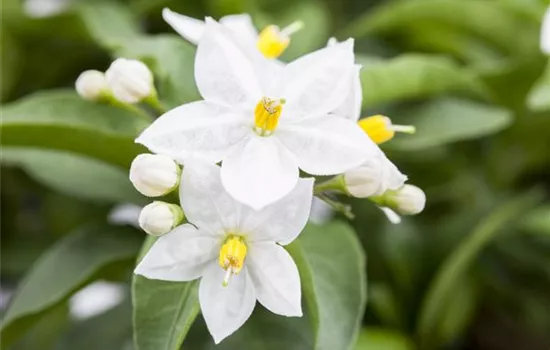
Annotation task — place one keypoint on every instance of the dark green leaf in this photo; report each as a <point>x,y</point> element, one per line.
<point>332,272</point>
<point>163,311</point>
<point>62,120</point>
<point>445,121</point>
<point>79,176</point>
<point>443,287</point>
<point>69,264</point>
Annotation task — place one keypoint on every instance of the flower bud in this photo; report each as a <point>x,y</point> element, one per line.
<point>91,85</point>
<point>130,80</point>
<point>373,178</point>
<point>154,175</point>
<point>159,218</point>
<point>408,200</point>
<point>365,180</point>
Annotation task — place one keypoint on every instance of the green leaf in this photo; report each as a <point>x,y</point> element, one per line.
<point>538,220</point>
<point>333,276</point>
<point>444,121</point>
<point>111,330</point>
<point>264,330</point>
<point>539,97</point>
<point>80,176</point>
<point>443,287</point>
<point>68,265</point>
<point>495,24</point>
<point>10,63</point>
<point>383,339</point>
<point>108,23</point>
<point>414,76</point>
<point>172,59</point>
<point>163,311</point>
<point>62,120</point>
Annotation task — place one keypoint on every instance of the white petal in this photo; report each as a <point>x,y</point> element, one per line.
<point>350,108</point>
<point>125,214</point>
<point>205,202</point>
<point>223,72</point>
<point>242,26</point>
<point>225,309</point>
<point>393,178</point>
<point>259,171</point>
<point>545,33</point>
<point>181,255</point>
<point>283,220</point>
<point>189,28</point>
<point>275,278</point>
<point>194,130</point>
<point>392,216</point>
<point>315,84</point>
<point>327,145</point>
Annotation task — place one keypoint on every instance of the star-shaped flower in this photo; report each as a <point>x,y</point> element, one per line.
<point>235,250</point>
<point>264,121</point>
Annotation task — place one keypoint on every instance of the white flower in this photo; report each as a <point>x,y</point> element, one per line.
<point>154,175</point>
<point>271,42</point>
<point>92,85</point>
<point>263,120</point>
<point>545,33</point>
<point>159,218</point>
<point>130,80</point>
<point>374,177</point>
<point>235,250</point>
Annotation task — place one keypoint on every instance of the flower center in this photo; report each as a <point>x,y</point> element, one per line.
<point>232,255</point>
<point>380,128</point>
<point>266,115</point>
<point>272,41</point>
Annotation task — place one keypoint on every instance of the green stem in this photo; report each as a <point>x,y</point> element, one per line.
<point>336,184</point>
<point>154,102</point>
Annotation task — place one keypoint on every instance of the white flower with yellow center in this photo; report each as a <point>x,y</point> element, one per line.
<point>264,121</point>
<point>235,250</point>
<point>271,41</point>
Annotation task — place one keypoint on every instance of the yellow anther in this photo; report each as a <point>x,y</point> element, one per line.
<point>272,42</point>
<point>380,128</point>
<point>232,255</point>
<point>266,115</point>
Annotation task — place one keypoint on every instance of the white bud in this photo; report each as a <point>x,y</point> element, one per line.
<point>130,80</point>
<point>154,175</point>
<point>159,218</point>
<point>365,180</point>
<point>92,85</point>
<point>408,200</point>
<point>373,178</point>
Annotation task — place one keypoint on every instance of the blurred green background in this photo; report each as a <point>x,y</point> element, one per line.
<point>471,272</point>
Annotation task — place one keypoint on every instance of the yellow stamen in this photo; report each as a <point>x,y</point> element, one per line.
<point>272,42</point>
<point>266,115</point>
<point>380,128</point>
<point>232,255</point>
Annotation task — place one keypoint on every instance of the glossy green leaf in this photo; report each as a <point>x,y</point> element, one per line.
<point>173,61</point>
<point>163,311</point>
<point>443,287</point>
<point>79,176</point>
<point>333,276</point>
<point>495,24</point>
<point>444,121</point>
<point>264,330</point>
<point>414,76</point>
<point>62,120</point>
<point>69,264</point>
<point>383,339</point>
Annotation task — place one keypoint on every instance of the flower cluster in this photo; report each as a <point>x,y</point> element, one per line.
<point>261,124</point>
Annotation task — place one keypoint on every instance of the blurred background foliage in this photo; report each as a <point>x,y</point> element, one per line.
<point>471,272</point>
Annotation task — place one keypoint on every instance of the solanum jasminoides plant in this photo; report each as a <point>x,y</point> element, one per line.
<point>299,175</point>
